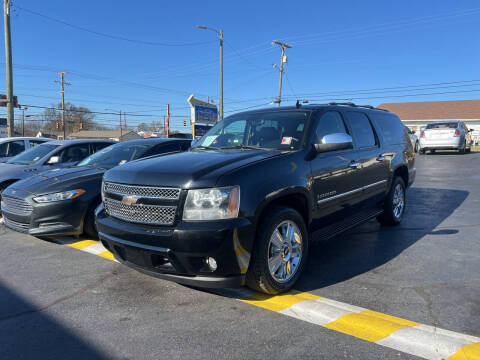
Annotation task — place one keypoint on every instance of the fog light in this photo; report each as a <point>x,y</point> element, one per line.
<point>212,264</point>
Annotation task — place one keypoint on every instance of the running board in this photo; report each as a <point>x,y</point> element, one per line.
<point>337,228</point>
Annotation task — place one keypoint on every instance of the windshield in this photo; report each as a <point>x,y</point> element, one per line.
<point>115,155</point>
<point>442,126</point>
<point>280,130</point>
<point>33,155</point>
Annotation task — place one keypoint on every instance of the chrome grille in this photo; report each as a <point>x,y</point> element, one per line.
<point>144,191</point>
<point>16,206</point>
<point>141,213</point>
<point>15,225</point>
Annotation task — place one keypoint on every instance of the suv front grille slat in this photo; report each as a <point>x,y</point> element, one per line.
<point>16,206</point>
<point>143,191</point>
<point>141,213</point>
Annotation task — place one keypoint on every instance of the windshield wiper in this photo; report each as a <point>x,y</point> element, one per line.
<point>206,148</point>
<point>241,146</point>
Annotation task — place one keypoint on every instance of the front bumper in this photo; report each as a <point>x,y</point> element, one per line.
<point>56,218</point>
<point>179,253</point>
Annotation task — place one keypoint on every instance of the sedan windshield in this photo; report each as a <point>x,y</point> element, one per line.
<point>279,130</point>
<point>33,155</point>
<point>115,155</point>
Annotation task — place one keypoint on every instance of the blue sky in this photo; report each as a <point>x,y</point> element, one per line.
<point>339,47</point>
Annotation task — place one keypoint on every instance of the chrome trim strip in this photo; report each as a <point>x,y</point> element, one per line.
<point>351,192</point>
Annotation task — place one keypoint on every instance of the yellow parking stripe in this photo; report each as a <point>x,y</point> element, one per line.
<point>279,302</point>
<point>83,244</point>
<point>386,330</point>
<point>107,255</point>
<point>369,325</point>
<point>468,352</point>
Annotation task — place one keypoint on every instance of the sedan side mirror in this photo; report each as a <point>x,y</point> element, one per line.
<point>53,160</point>
<point>470,130</point>
<point>333,142</point>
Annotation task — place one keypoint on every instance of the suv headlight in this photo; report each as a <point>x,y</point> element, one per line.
<point>212,204</point>
<point>64,195</point>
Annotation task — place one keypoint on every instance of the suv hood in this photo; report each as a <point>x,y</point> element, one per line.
<point>58,180</point>
<point>188,169</point>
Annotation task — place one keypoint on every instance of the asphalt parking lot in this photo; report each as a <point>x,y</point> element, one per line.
<point>59,302</point>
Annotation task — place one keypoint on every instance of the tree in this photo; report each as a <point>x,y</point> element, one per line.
<point>76,117</point>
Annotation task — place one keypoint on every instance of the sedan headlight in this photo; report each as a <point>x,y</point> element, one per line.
<point>212,204</point>
<point>64,195</point>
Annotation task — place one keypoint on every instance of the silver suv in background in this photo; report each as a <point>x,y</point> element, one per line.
<point>413,139</point>
<point>446,135</point>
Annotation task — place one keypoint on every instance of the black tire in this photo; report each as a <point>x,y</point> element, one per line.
<point>421,152</point>
<point>89,228</point>
<point>258,276</point>
<point>464,149</point>
<point>432,151</point>
<point>389,217</point>
<point>416,147</point>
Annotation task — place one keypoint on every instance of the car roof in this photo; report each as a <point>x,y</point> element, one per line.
<point>23,138</point>
<point>80,141</point>
<point>155,141</point>
<point>313,107</point>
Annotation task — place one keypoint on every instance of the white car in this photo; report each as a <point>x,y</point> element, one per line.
<point>446,135</point>
<point>413,139</point>
<point>13,146</point>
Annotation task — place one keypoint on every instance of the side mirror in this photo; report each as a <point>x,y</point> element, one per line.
<point>53,160</point>
<point>333,142</point>
<point>470,130</point>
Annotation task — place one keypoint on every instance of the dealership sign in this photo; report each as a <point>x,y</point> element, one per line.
<point>203,115</point>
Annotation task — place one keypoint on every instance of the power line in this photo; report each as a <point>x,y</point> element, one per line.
<point>110,36</point>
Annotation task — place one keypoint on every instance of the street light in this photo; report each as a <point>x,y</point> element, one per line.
<point>220,36</point>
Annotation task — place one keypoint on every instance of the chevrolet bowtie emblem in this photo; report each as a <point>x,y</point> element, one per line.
<point>130,199</point>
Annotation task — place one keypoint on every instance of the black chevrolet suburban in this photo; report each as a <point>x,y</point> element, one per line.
<point>244,203</point>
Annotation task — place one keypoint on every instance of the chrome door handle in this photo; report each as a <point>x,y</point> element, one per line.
<point>354,165</point>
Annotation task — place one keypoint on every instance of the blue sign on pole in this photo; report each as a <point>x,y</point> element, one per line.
<point>205,115</point>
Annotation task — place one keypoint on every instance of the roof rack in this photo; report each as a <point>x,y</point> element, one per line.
<point>355,105</point>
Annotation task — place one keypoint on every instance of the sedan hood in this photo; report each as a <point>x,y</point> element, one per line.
<point>13,171</point>
<point>58,180</point>
<point>186,169</point>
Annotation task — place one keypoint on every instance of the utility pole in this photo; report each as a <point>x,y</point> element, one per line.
<point>125,120</point>
<point>62,92</point>
<point>121,132</point>
<point>283,60</point>
<point>168,120</point>
<point>8,64</point>
<point>23,119</point>
<point>221,74</point>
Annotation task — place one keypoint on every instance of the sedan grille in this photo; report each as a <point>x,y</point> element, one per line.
<point>143,191</point>
<point>141,213</point>
<point>15,225</point>
<point>16,206</point>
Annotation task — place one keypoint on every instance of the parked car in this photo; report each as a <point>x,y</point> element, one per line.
<point>63,201</point>
<point>243,204</point>
<point>413,139</point>
<point>12,146</point>
<point>52,154</point>
<point>446,135</point>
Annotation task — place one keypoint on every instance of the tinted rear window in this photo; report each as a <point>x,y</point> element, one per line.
<point>442,126</point>
<point>391,127</point>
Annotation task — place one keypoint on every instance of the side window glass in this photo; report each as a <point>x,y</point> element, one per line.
<point>330,123</point>
<point>74,153</point>
<point>99,146</point>
<point>15,148</point>
<point>167,148</point>
<point>362,129</point>
<point>3,149</point>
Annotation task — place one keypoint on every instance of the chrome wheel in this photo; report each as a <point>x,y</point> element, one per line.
<point>285,251</point>
<point>398,201</point>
